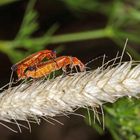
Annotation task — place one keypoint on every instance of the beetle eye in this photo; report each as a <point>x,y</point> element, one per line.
<point>14,68</point>
<point>54,51</point>
<point>31,68</point>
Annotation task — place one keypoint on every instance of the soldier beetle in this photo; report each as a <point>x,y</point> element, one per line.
<point>45,68</point>
<point>32,60</point>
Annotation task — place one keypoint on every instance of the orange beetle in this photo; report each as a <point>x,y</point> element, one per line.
<point>45,68</point>
<point>31,60</point>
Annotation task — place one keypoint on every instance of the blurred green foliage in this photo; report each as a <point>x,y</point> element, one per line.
<point>24,38</point>
<point>123,20</point>
<point>123,119</point>
<point>4,2</point>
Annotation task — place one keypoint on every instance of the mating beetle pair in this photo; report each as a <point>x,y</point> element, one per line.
<point>32,66</point>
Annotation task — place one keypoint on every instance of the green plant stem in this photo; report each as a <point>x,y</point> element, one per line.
<point>87,35</point>
<point>75,36</point>
<point>95,34</point>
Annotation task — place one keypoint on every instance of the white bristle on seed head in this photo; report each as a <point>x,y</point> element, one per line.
<point>61,95</point>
